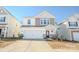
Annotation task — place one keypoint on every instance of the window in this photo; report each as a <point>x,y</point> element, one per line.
<point>41,21</point>
<point>29,22</point>
<point>73,24</point>
<point>2,19</point>
<point>44,21</point>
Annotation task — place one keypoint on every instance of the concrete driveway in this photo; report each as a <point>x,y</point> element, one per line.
<point>27,46</point>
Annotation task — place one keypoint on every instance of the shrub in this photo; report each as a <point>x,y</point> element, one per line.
<point>20,36</point>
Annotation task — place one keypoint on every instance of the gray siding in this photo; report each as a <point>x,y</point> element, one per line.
<point>37,22</point>
<point>52,21</point>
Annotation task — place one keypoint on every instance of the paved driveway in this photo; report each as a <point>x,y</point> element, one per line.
<point>27,46</point>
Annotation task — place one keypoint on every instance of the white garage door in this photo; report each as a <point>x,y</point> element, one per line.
<point>76,36</point>
<point>33,34</point>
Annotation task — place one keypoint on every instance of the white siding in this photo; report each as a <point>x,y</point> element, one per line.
<point>65,29</point>
<point>25,21</point>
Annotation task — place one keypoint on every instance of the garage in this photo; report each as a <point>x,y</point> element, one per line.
<point>33,34</point>
<point>76,36</point>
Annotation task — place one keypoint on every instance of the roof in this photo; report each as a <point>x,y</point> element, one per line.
<point>74,16</point>
<point>29,17</point>
<point>5,11</point>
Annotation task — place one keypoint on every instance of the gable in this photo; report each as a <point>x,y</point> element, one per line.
<point>3,11</point>
<point>71,18</point>
<point>76,15</point>
<point>45,14</point>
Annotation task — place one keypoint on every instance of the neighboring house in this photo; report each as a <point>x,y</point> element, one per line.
<point>39,27</point>
<point>9,26</point>
<point>69,29</point>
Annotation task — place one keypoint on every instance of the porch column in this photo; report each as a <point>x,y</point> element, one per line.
<point>5,32</point>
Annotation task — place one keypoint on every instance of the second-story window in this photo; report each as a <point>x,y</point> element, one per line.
<point>44,21</point>
<point>74,24</point>
<point>41,21</point>
<point>29,21</point>
<point>2,19</point>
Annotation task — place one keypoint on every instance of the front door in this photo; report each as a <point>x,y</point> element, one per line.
<point>47,34</point>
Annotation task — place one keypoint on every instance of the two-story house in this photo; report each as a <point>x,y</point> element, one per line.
<point>9,26</point>
<point>69,29</point>
<point>39,27</point>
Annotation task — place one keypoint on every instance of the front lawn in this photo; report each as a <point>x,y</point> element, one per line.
<point>4,43</point>
<point>66,45</point>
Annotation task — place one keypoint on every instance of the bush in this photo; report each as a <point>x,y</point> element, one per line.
<point>20,36</point>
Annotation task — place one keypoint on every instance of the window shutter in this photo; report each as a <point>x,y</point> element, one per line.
<point>69,23</point>
<point>76,24</point>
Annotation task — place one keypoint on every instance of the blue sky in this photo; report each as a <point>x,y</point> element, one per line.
<point>60,12</point>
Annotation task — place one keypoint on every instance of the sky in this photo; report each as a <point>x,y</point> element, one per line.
<point>60,12</point>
